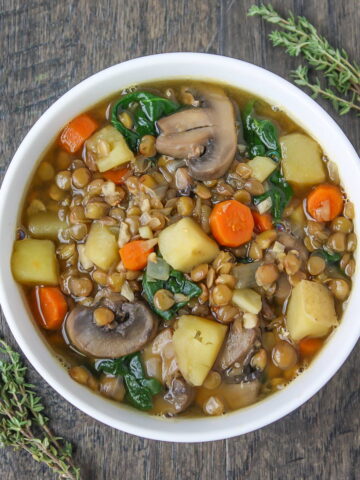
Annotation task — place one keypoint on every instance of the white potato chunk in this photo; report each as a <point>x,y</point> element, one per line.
<point>262,167</point>
<point>301,160</point>
<point>311,311</point>
<point>34,262</point>
<point>45,225</point>
<point>248,300</point>
<point>184,245</point>
<point>101,247</point>
<point>119,152</point>
<point>197,342</point>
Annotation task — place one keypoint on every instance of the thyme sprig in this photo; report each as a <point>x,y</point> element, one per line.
<point>299,36</point>
<point>22,423</point>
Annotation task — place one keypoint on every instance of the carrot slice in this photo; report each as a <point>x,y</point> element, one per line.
<point>49,307</point>
<point>325,202</point>
<point>117,176</point>
<point>309,346</point>
<point>76,132</point>
<point>134,254</point>
<point>262,221</point>
<point>231,223</point>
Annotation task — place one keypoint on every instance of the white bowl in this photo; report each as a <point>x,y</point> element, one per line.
<point>107,82</point>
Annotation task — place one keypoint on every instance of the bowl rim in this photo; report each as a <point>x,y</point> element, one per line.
<point>123,418</point>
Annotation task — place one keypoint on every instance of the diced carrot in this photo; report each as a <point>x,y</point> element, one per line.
<point>118,176</point>
<point>134,254</point>
<point>76,132</point>
<point>309,346</point>
<point>262,221</point>
<point>49,307</point>
<point>231,223</point>
<point>325,202</point>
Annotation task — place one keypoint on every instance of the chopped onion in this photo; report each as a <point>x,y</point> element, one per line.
<point>245,274</point>
<point>265,205</point>
<point>158,270</point>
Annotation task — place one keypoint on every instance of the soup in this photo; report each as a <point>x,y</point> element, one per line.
<point>185,248</point>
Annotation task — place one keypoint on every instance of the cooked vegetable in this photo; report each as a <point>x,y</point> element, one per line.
<point>260,135</point>
<point>197,341</point>
<point>184,245</point>
<point>150,109</point>
<point>310,311</point>
<point>302,164</point>
<point>76,132</point>
<point>49,307</point>
<point>247,300</point>
<point>310,346</point>
<point>261,167</point>
<point>298,217</point>
<point>34,262</point>
<point>117,176</point>
<point>231,223</point>
<point>114,154</point>
<point>262,222</point>
<point>325,202</point>
<point>134,255</point>
<point>176,284</point>
<point>101,246</point>
<point>139,388</point>
<point>157,269</point>
<point>280,193</point>
<point>45,225</point>
<point>245,274</point>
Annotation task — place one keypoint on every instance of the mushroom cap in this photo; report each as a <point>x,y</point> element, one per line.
<point>205,136</point>
<point>135,325</point>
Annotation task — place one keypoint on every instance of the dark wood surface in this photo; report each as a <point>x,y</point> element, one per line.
<point>48,46</point>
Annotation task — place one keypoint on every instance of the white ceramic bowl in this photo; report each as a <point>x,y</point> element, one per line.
<point>107,82</point>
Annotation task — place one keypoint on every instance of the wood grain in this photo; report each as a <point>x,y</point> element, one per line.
<point>47,46</point>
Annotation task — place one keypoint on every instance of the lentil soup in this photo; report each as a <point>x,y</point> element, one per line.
<point>185,248</point>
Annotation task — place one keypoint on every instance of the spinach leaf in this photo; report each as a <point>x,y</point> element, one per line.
<point>176,283</point>
<point>280,193</point>
<point>244,260</point>
<point>328,256</point>
<point>150,108</point>
<point>260,135</point>
<point>139,389</point>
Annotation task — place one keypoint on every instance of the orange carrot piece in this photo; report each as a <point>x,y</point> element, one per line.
<point>325,202</point>
<point>134,254</point>
<point>231,223</point>
<point>309,346</point>
<point>118,176</point>
<point>49,307</point>
<point>263,221</point>
<point>76,132</point>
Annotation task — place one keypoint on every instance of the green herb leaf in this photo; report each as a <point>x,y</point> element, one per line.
<point>150,109</point>
<point>176,283</point>
<point>139,389</point>
<point>280,193</point>
<point>260,135</point>
<point>328,256</point>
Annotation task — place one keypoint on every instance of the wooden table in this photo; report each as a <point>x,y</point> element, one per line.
<point>48,46</point>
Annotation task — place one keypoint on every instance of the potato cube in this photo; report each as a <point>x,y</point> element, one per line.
<point>184,245</point>
<point>262,167</point>
<point>302,164</point>
<point>119,151</point>
<point>34,262</point>
<point>101,247</point>
<point>311,311</point>
<point>248,300</point>
<point>297,217</point>
<point>197,342</point>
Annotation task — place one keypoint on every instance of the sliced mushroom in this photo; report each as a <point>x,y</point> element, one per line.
<point>179,396</point>
<point>112,387</point>
<point>206,136</point>
<point>133,327</point>
<point>238,345</point>
<point>238,395</point>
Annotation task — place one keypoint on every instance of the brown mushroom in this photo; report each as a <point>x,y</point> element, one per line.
<point>179,396</point>
<point>205,136</point>
<point>112,387</point>
<point>133,327</point>
<point>238,345</point>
